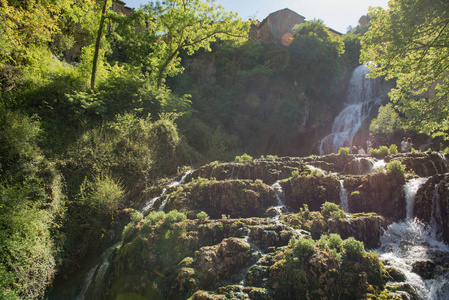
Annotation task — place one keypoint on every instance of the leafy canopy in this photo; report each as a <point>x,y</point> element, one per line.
<point>188,25</point>
<point>410,42</point>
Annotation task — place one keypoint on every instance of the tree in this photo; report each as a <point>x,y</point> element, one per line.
<point>187,25</point>
<point>409,42</point>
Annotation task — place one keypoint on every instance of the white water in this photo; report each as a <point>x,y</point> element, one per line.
<point>281,207</point>
<point>96,274</point>
<point>344,197</point>
<point>362,95</point>
<point>410,241</point>
<point>150,204</point>
<point>410,189</point>
<point>378,164</point>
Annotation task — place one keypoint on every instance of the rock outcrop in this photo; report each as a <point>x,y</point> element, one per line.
<point>273,229</point>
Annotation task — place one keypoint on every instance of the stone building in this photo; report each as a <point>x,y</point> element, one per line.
<point>276,26</point>
<point>120,8</point>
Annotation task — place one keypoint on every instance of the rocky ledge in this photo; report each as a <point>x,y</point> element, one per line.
<point>280,228</point>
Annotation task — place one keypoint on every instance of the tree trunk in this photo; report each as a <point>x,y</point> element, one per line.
<point>97,47</point>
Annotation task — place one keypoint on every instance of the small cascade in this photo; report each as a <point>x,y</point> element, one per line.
<point>344,197</point>
<point>407,243</point>
<point>281,207</point>
<point>363,94</point>
<point>377,164</point>
<point>410,189</point>
<point>150,204</point>
<point>257,253</point>
<point>96,274</point>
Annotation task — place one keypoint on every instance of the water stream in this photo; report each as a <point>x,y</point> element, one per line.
<point>363,94</point>
<point>408,244</point>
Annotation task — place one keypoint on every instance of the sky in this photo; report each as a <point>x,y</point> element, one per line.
<point>336,14</point>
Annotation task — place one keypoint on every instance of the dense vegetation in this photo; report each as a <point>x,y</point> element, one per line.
<point>77,145</point>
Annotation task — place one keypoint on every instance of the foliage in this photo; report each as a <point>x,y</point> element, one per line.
<point>344,151</point>
<point>329,209</point>
<point>187,26</point>
<point>396,169</point>
<point>29,206</point>
<point>127,232</point>
<point>202,216</point>
<point>409,42</point>
<point>27,265</point>
<point>380,152</point>
<point>242,158</point>
<point>353,249</point>
<point>387,125</point>
<point>316,50</point>
<point>352,49</point>
<point>344,262</point>
<point>102,195</point>
<point>393,149</point>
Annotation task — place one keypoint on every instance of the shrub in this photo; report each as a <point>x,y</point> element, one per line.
<point>174,216</point>
<point>244,157</point>
<point>381,152</point>
<point>344,151</point>
<point>329,209</point>
<point>202,216</point>
<point>136,217</point>
<point>393,149</point>
<point>396,169</point>
<point>353,249</point>
<point>303,249</point>
<point>102,195</point>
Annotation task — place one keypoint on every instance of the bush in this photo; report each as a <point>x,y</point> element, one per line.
<point>136,217</point>
<point>27,265</point>
<point>396,169</point>
<point>244,157</point>
<point>353,249</point>
<point>329,209</point>
<point>303,249</point>
<point>202,216</point>
<point>393,149</point>
<point>344,151</point>
<point>381,152</point>
<point>102,196</point>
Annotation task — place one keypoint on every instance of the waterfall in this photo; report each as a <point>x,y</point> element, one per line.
<point>344,197</point>
<point>362,95</point>
<point>410,189</point>
<point>281,207</point>
<point>96,274</point>
<point>411,242</point>
<point>407,243</point>
<point>149,205</point>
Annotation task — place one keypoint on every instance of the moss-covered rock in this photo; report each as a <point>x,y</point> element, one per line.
<point>378,192</point>
<point>234,198</point>
<point>432,202</point>
<point>312,190</point>
<point>269,171</point>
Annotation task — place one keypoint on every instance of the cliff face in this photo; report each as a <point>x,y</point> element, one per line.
<point>273,229</point>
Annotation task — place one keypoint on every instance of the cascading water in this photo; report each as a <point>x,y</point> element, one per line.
<point>149,205</point>
<point>410,189</point>
<point>411,242</point>
<point>344,197</point>
<point>281,207</point>
<point>362,95</point>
